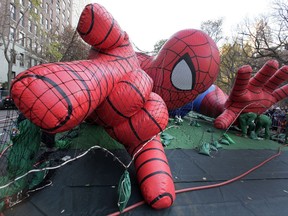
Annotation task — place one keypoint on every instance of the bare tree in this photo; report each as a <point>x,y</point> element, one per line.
<point>67,46</point>
<point>232,58</point>
<point>268,35</point>
<point>10,20</point>
<point>213,28</point>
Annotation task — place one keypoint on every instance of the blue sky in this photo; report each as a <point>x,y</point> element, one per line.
<point>149,21</point>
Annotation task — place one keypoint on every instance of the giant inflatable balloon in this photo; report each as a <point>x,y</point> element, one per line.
<point>128,93</point>
<point>110,89</point>
<point>209,103</point>
<point>254,93</point>
<point>186,65</point>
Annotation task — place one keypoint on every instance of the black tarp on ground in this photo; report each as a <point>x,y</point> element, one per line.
<point>88,186</point>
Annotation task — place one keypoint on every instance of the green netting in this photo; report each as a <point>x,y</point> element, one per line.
<point>25,138</point>
<point>87,135</point>
<point>21,157</point>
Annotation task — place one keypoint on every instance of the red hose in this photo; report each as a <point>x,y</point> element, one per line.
<point>208,186</point>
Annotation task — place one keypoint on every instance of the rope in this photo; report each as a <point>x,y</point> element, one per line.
<point>239,113</point>
<point>80,156</point>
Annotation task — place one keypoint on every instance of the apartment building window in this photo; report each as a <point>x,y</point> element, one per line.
<point>51,14</point>
<point>21,59</point>
<point>30,25</point>
<point>29,63</point>
<point>42,37</point>
<point>13,11</point>
<point>41,18</point>
<point>12,32</point>
<point>57,20</point>
<point>36,47</point>
<point>22,21</point>
<point>36,30</point>
<point>41,3</point>
<point>29,43</point>
<point>58,7</point>
<point>46,24</point>
<point>29,4</point>
<point>68,14</point>
<point>35,62</point>
<point>21,2</point>
<point>47,8</point>
<point>21,38</point>
<point>64,5</point>
<point>13,74</point>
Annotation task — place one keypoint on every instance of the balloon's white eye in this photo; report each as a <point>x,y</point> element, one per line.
<point>183,74</point>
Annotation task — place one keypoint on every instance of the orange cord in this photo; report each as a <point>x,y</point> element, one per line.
<point>208,186</point>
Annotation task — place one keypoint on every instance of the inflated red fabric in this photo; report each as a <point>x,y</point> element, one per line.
<point>254,93</point>
<point>186,65</point>
<point>110,89</point>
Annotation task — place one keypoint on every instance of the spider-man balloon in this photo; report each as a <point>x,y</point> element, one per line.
<point>112,89</point>
<point>186,65</point>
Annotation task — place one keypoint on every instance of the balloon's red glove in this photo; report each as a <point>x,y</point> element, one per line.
<point>254,94</point>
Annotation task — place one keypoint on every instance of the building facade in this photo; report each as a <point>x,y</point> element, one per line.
<point>28,26</point>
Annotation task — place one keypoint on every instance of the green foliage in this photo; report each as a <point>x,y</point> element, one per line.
<point>34,16</point>
<point>233,56</point>
<point>67,46</point>
<point>36,3</point>
<point>54,50</point>
<point>159,45</point>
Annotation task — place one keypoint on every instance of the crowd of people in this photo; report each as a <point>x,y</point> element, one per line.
<point>273,121</point>
<point>279,117</point>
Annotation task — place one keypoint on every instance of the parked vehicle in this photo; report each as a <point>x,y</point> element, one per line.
<point>8,103</point>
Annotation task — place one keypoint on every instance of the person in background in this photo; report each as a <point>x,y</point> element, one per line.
<point>247,125</point>
<point>275,118</point>
<point>263,122</point>
<point>286,128</point>
<point>281,122</point>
